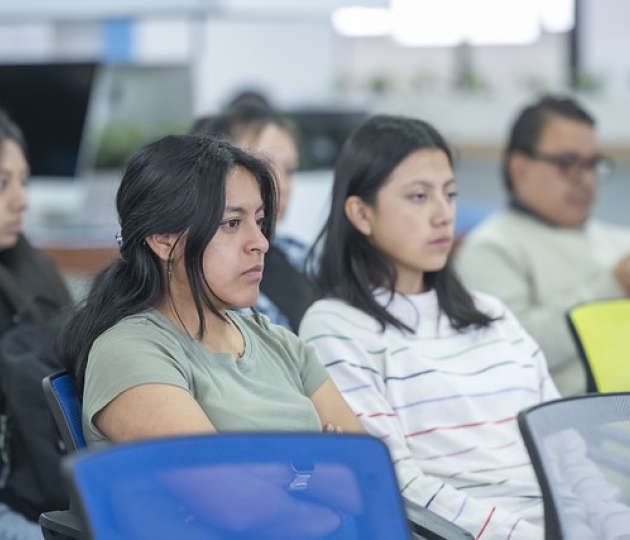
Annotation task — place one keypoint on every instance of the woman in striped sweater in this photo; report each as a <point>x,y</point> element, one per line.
<point>436,372</point>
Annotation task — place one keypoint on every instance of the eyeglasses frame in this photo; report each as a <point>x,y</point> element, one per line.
<point>571,165</point>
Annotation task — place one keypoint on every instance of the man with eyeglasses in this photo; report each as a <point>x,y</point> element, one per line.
<point>544,254</point>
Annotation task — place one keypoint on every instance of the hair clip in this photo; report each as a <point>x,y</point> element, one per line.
<point>119,240</point>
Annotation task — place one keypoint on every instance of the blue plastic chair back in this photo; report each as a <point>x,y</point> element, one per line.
<point>66,408</point>
<point>241,486</point>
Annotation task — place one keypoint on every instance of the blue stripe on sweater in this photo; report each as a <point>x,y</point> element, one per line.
<point>434,496</point>
<point>469,374</point>
<point>459,396</point>
<point>358,366</point>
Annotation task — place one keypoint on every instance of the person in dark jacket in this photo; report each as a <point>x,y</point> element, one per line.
<point>29,282</point>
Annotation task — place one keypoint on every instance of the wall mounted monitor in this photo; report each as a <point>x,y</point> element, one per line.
<point>322,133</point>
<point>51,102</point>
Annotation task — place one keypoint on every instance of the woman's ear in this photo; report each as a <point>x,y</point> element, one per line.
<point>161,244</point>
<point>358,212</point>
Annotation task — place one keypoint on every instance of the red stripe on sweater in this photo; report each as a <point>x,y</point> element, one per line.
<point>376,415</point>
<point>461,426</point>
<point>486,523</point>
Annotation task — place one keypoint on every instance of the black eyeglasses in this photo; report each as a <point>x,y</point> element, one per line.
<point>571,165</point>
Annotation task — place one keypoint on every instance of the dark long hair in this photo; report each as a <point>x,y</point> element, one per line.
<point>350,267</point>
<point>10,131</point>
<point>175,185</point>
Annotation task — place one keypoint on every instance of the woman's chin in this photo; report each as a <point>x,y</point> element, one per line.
<point>244,304</point>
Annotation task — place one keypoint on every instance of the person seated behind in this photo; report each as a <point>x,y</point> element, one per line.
<point>29,281</point>
<point>26,275</point>
<point>250,123</point>
<point>544,254</point>
<point>439,374</point>
<point>157,348</point>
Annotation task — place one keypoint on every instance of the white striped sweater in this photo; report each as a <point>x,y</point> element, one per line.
<point>445,402</point>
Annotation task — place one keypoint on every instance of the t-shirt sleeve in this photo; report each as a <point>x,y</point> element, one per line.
<point>312,373</point>
<point>126,356</point>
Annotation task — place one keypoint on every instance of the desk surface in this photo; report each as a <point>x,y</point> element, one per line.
<point>81,260</point>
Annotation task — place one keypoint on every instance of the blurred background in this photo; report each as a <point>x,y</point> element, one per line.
<point>91,81</point>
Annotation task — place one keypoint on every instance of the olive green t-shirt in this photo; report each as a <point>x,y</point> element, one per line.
<point>267,389</point>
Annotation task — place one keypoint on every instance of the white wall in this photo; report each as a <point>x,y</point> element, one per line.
<point>308,207</point>
<point>605,44</point>
<point>293,61</point>
<point>507,69</point>
<point>297,60</point>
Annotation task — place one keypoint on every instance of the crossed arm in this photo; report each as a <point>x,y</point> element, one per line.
<point>162,410</point>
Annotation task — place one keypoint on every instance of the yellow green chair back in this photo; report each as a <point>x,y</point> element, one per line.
<point>602,332</point>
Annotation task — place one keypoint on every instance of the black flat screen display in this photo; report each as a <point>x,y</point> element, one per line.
<point>50,102</point>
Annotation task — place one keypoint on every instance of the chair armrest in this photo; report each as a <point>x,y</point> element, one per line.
<point>428,525</point>
<point>62,524</point>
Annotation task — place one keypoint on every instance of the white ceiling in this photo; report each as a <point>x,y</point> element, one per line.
<point>96,9</point>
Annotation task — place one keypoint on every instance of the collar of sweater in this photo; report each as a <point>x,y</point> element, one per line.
<point>410,308</point>
<point>523,209</point>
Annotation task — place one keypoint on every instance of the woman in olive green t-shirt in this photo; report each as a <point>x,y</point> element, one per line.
<point>157,350</point>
